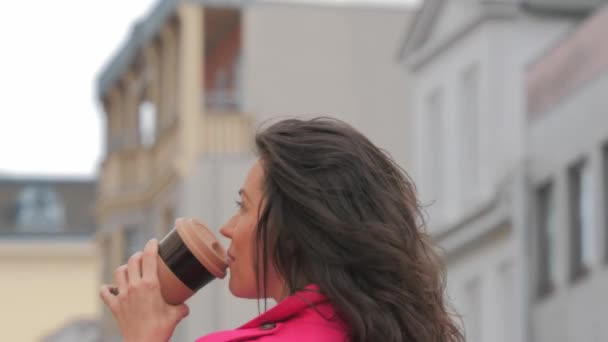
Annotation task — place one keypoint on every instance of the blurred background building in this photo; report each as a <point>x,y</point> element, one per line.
<point>510,125</point>
<point>48,256</point>
<point>184,95</point>
<point>567,173</point>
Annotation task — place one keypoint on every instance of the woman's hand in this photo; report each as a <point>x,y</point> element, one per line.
<point>139,308</point>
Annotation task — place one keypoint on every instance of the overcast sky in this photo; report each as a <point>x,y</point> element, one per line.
<point>50,122</point>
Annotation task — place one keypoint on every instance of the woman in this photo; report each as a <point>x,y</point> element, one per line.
<point>328,226</point>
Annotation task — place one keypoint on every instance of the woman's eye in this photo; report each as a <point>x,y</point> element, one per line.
<point>239,205</point>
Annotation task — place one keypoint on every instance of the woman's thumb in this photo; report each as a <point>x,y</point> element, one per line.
<point>181,311</point>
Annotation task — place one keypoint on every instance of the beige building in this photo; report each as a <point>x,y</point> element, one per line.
<point>184,95</point>
<point>46,285</point>
<point>48,257</point>
<point>167,120</point>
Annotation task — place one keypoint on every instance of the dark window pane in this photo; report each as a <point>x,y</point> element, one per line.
<point>580,220</point>
<point>546,238</point>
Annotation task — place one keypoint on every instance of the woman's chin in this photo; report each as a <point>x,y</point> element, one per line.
<point>240,291</point>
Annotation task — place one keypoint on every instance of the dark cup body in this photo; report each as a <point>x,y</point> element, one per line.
<point>182,263</point>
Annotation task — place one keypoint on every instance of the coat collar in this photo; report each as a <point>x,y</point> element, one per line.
<point>274,321</point>
<point>308,297</point>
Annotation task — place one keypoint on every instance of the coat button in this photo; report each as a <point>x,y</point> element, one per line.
<point>267,326</point>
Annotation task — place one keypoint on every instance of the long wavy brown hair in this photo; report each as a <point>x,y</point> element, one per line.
<point>340,213</point>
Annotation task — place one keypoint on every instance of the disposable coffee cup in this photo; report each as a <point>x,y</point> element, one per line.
<point>189,257</point>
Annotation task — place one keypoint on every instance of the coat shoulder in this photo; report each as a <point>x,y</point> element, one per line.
<point>310,325</point>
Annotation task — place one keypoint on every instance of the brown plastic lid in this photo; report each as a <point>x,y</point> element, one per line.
<point>204,245</point>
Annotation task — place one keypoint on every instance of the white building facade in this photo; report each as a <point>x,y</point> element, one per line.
<point>469,60</point>
<point>567,134</point>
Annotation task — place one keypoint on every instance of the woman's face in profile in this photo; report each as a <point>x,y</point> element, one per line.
<point>240,229</point>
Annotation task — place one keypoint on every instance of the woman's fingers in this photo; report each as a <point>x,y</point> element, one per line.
<point>149,263</point>
<point>121,278</point>
<point>139,308</point>
<point>134,268</point>
<point>180,312</point>
<point>114,290</point>
<point>105,292</point>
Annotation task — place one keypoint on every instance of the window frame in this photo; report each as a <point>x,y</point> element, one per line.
<point>578,269</point>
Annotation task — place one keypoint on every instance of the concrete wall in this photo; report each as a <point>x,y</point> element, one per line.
<point>576,128</point>
<point>308,60</point>
<point>46,284</point>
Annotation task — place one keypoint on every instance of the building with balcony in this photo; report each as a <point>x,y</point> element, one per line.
<point>183,97</point>
<point>175,133</point>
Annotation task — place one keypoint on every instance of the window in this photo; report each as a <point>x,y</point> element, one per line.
<point>546,221</point>
<point>221,79</point>
<point>435,145</point>
<point>223,94</point>
<point>469,129</point>
<point>147,123</point>
<point>40,209</point>
<point>581,238</point>
<point>220,96</point>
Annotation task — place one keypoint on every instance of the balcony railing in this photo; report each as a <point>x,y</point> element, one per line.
<point>134,169</point>
<point>137,168</point>
<point>228,133</point>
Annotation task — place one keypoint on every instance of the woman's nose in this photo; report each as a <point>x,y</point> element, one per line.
<point>226,229</point>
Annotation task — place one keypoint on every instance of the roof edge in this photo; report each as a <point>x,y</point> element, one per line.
<point>150,24</point>
<point>423,23</point>
<point>419,28</point>
<point>141,31</point>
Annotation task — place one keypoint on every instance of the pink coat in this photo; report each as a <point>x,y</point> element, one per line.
<point>303,317</point>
